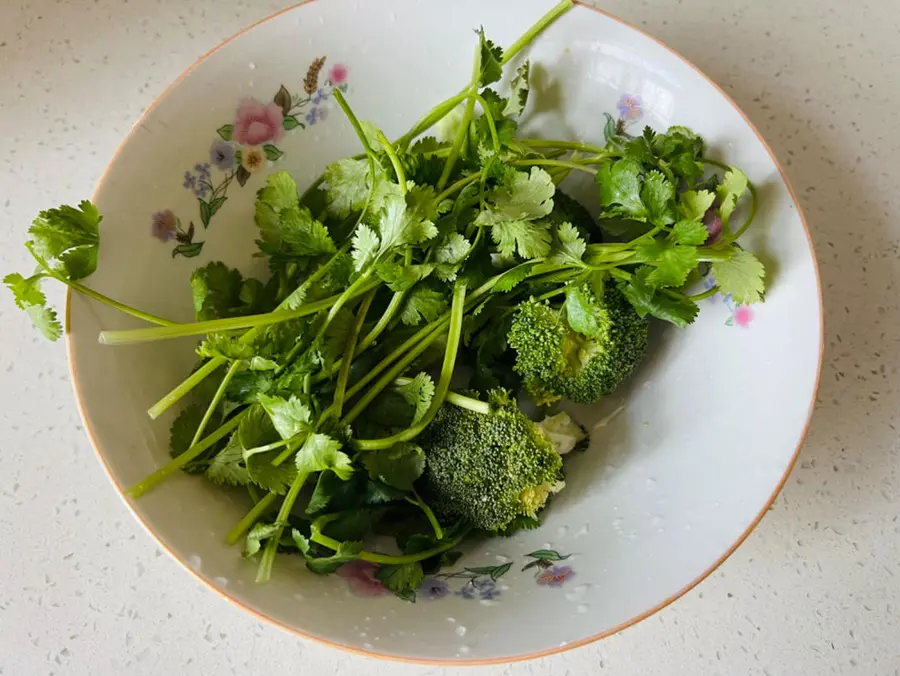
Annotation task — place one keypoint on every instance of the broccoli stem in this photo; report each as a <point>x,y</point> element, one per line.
<point>457,309</point>
<point>416,500</point>
<point>232,323</point>
<point>180,461</point>
<point>340,388</point>
<point>318,537</point>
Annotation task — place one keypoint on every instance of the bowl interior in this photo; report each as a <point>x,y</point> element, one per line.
<point>679,466</point>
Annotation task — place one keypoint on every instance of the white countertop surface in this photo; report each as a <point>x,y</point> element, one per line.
<point>815,590</point>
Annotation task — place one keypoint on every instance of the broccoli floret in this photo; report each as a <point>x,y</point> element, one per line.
<point>488,468</point>
<point>556,361</point>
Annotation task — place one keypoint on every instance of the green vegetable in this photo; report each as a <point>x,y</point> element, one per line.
<point>582,350</point>
<point>490,468</point>
<point>324,391</point>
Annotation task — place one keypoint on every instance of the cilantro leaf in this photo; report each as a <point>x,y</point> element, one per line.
<point>324,565</point>
<point>279,192</point>
<point>348,186</point>
<point>513,277</point>
<point>531,239</point>
<point>423,304</point>
<point>514,210</point>
<point>398,466</point>
<point>582,312</point>
<point>491,56</point>
<point>681,150</point>
<point>365,246</point>
<point>742,277</point>
<point>400,225</point>
<point>733,186</point>
<point>321,452</point>
<point>418,393</point>
<point>449,255</point>
<point>658,195</point>
<point>68,238</point>
<point>691,233</point>
<point>266,475</point>
<point>620,188</point>
<point>227,466</point>
<point>647,300</point>
<point>403,579</point>
<point>693,205</point>
<point>221,345</point>
<point>216,290</point>
<point>257,535</point>
<point>184,427</point>
<point>400,277</point>
<point>569,247</point>
<point>29,297</point>
<point>289,416</point>
<point>518,97</point>
<point>671,262</point>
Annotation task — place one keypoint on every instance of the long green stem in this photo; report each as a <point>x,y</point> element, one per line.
<point>457,399</point>
<point>432,117</point>
<point>375,557</point>
<point>535,30</point>
<point>568,145</point>
<point>395,161</point>
<point>216,400</point>
<point>96,295</point>
<point>174,396</point>
<point>461,134</point>
<point>553,163</point>
<point>495,139</point>
<point>429,514</point>
<point>231,324</point>
<point>440,392</point>
<point>340,388</point>
<point>250,518</point>
<point>268,556</point>
<point>177,463</point>
<point>382,323</point>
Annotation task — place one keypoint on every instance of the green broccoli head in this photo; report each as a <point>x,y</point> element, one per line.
<point>489,469</point>
<point>556,361</point>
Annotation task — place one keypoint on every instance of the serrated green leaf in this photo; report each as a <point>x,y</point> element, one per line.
<point>399,466</point>
<point>325,565</point>
<point>690,233</point>
<point>257,535</point>
<point>658,196</point>
<point>582,313</point>
<point>568,247</point>
<point>227,466</point>
<point>321,452</point>
<point>742,277</point>
<point>647,300</point>
<point>348,186</point>
<point>68,238</point>
<point>733,186</point>
<point>518,97</point>
<point>403,579</point>
<point>289,416</point>
<point>423,304</point>
<point>620,188</point>
<point>491,56</point>
<point>365,246</point>
<point>418,393</point>
<point>693,205</point>
<point>183,428</point>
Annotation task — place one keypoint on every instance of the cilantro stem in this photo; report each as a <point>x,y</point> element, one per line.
<point>709,293</point>
<point>458,399</point>
<point>568,145</point>
<point>268,556</point>
<point>553,163</point>
<point>180,461</point>
<point>392,154</point>
<point>96,295</point>
<point>536,29</point>
<point>429,514</point>
<point>246,523</point>
<point>340,388</point>
<point>754,205</point>
<point>232,323</point>
<point>184,387</point>
<point>454,335</point>
<point>217,398</point>
<point>342,102</point>
<point>459,185</point>
<point>382,323</point>
<point>461,134</point>
<point>439,112</point>
<point>495,139</point>
<point>268,447</point>
<point>318,537</point>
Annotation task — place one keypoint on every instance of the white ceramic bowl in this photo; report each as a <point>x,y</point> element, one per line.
<point>670,486</point>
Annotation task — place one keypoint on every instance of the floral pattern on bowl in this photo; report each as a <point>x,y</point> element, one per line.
<point>244,148</point>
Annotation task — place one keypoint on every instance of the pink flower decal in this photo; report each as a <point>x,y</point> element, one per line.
<point>360,575</point>
<point>338,74</point>
<point>258,123</point>
<point>165,225</point>
<point>630,108</point>
<point>555,576</point>
<point>743,315</point>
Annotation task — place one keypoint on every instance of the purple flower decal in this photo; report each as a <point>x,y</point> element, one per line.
<point>487,589</point>
<point>165,225</point>
<point>316,115</point>
<point>466,592</point>
<point>202,171</point>
<point>555,576</point>
<point>222,154</point>
<point>190,181</point>
<point>630,108</point>
<point>319,96</point>
<point>433,588</point>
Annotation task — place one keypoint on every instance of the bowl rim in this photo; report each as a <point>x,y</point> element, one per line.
<point>494,660</point>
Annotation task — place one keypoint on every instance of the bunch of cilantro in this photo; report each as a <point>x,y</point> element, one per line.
<point>311,388</point>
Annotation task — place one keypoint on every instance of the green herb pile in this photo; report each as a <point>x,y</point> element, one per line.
<point>325,391</point>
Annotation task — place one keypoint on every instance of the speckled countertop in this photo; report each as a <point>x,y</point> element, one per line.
<point>815,590</point>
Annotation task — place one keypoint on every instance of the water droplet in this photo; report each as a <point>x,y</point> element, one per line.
<point>194,562</point>
<point>368,646</point>
<point>488,602</point>
<point>583,530</point>
<point>322,20</point>
<point>501,558</point>
<point>251,66</point>
<point>687,526</point>
<point>363,634</point>
<point>460,631</point>
<point>451,620</point>
<point>583,608</point>
<point>367,619</point>
<point>617,523</point>
<point>392,17</point>
<point>651,484</point>
<point>464,650</point>
<point>562,531</point>
<point>657,521</point>
<point>220,581</point>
